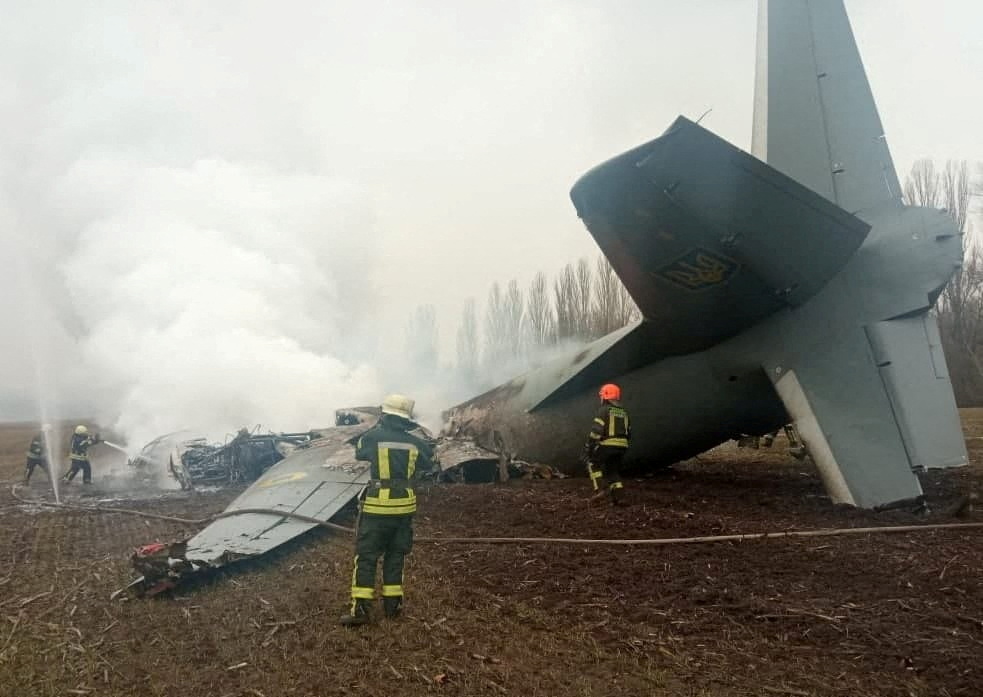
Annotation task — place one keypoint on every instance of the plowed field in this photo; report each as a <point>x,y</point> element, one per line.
<point>889,614</point>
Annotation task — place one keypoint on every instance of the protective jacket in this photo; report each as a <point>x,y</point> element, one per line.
<point>611,428</point>
<point>36,450</point>
<point>80,446</point>
<point>395,457</point>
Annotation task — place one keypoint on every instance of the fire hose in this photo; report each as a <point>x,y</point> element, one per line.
<point>661,541</point>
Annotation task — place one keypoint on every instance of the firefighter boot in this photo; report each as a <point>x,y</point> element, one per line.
<point>617,493</point>
<point>358,615</point>
<point>392,606</point>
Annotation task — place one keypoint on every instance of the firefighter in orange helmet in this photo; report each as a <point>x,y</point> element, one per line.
<point>607,443</point>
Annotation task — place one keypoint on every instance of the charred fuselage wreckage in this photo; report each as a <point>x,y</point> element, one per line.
<point>791,284</point>
<point>307,487</point>
<point>195,462</point>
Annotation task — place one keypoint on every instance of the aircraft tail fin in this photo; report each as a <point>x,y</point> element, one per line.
<point>814,114</point>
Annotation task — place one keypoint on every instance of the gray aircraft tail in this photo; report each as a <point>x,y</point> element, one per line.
<point>814,114</point>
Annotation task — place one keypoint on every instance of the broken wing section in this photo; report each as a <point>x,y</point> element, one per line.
<point>908,353</point>
<point>316,481</point>
<point>814,115</point>
<point>709,240</point>
<point>837,398</point>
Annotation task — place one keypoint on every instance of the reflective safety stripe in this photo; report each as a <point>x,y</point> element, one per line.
<point>392,591</point>
<point>594,474</point>
<point>615,442</point>
<point>381,502</point>
<point>594,436</point>
<point>354,570</point>
<point>616,485</point>
<point>359,592</point>
<point>598,420</point>
<point>385,471</point>
<point>75,456</point>
<point>385,504</point>
<point>389,506</point>
<point>613,415</point>
<point>362,593</point>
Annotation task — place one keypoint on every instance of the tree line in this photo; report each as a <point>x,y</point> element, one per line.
<point>583,302</point>
<point>519,326</point>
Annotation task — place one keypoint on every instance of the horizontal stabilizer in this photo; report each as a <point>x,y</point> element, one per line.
<point>838,400</point>
<point>709,240</point>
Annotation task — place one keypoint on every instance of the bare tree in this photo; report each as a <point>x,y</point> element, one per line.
<point>626,309</point>
<point>604,315</point>
<point>541,322</point>
<point>611,306</point>
<point>514,307</point>
<point>582,300</point>
<point>503,326</point>
<point>467,343</point>
<point>421,341</point>
<point>923,186</point>
<point>565,303</point>
<point>960,306</point>
<point>494,326</point>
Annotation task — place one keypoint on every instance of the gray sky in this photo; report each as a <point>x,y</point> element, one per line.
<point>379,155</point>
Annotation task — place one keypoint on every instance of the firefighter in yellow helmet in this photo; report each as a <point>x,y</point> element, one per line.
<point>385,527</point>
<point>607,443</point>
<point>79,454</point>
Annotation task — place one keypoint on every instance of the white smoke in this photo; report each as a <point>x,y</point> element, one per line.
<point>216,296</point>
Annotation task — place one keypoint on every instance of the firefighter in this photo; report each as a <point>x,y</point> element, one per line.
<point>79,455</point>
<point>385,526</point>
<point>607,443</point>
<point>37,455</point>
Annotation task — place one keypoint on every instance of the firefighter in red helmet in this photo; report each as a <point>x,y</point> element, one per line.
<point>607,443</point>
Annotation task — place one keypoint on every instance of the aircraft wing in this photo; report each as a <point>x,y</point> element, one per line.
<point>315,481</point>
<point>709,240</point>
<point>901,415</point>
<point>814,114</point>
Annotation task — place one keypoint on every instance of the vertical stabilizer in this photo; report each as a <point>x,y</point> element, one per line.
<point>814,115</point>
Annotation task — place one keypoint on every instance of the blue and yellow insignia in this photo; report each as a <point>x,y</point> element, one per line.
<point>283,479</point>
<point>699,269</point>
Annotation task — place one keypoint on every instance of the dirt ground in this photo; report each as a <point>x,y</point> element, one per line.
<point>895,614</point>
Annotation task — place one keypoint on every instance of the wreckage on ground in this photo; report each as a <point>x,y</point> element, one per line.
<point>195,462</point>
<point>308,486</point>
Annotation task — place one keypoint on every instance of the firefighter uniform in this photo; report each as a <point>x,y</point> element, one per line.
<point>79,455</point>
<point>607,443</point>
<point>37,456</point>
<point>385,527</point>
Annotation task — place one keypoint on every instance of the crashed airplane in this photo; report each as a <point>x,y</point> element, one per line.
<point>791,284</point>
